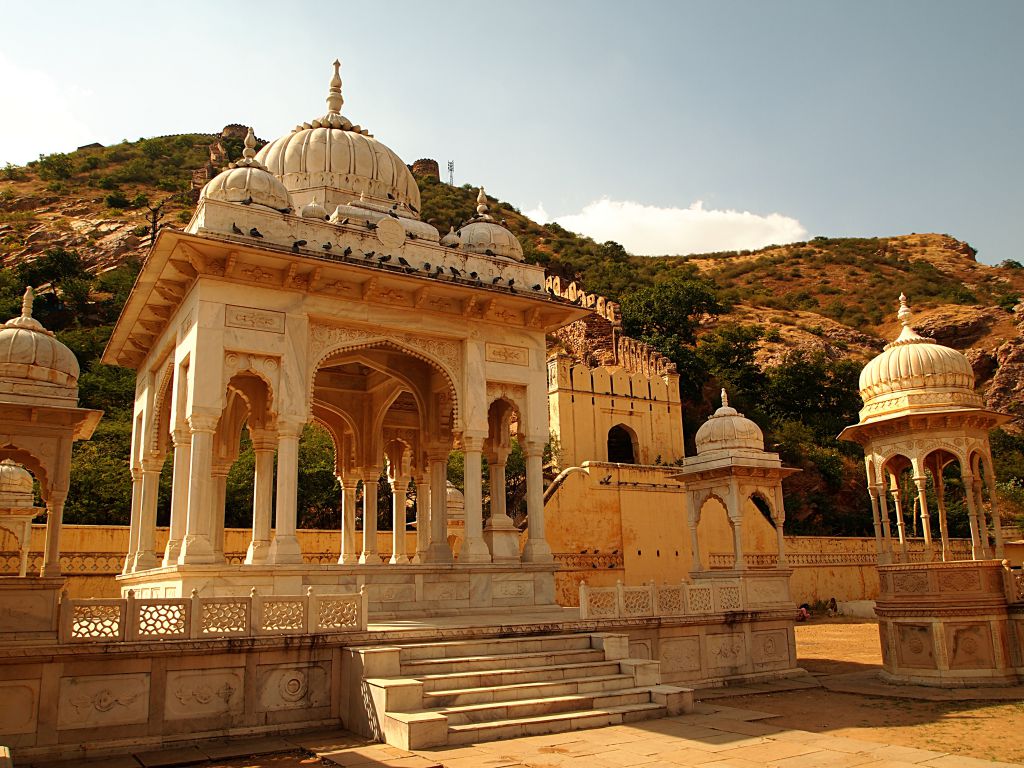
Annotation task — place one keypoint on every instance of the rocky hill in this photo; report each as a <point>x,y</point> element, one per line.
<point>836,295</point>
<point>83,222</point>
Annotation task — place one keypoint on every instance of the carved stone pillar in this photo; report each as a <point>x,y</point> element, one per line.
<point>145,557</point>
<point>500,533</point>
<point>258,552</point>
<point>977,551</point>
<point>740,562</point>
<point>537,549</point>
<point>285,547</point>
<point>370,555</point>
<point>196,547</point>
<point>940,499</point>
<point>439,551</point>
<point>399,495</point>
<point>134,524</point>
<point>901,529</point>
<point>422,518</point>
<point>179,494</point>
<point>220,492</point>
<point>349,486</point>
<point>880,549</point>
<point>54,520</point>
<point>920,481</point>
<point>692,522</point>
<point>997,525</point>
<point>474,549</point>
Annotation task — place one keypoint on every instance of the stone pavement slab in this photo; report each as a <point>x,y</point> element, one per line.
<point>159,758</point>
<point>223,749</point>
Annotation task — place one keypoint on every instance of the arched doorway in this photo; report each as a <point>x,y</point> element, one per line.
<point>622,448</point>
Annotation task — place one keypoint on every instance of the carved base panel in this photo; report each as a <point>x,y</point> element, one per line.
<point>946,624</point>
<point>762,645</point>
<point>29,608</point>
<point>404,591</point>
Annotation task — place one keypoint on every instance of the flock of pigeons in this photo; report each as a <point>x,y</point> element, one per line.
<point>426,268</point>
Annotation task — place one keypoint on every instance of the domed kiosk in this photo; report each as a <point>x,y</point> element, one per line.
<point>944,618</point>
<point>306,289</point>
<point>732,467</point>
<point>39,421</point>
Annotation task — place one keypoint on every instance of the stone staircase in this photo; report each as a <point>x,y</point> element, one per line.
<point>466,691</point>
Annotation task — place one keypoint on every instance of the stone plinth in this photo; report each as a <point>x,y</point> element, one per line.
<point>393,590</point>
<point>29,608</point>
<point>945,624</point>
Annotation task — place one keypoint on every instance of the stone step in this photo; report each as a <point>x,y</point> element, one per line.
<point>512,676</point>
<point>459,697</point>
<point>494,662</point>
<point>548,705</point>
<point>469,733</point>
<point>500,645</point>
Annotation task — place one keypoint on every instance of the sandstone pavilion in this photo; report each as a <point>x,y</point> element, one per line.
<point>945,619</point>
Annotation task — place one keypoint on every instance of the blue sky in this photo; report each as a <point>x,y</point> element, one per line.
<point>670,126</point>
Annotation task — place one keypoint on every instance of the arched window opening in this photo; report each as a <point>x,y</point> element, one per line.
<point>621,449</point>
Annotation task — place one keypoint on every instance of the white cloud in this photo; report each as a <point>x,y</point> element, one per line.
<point>538,214</point>
<point>648,230</point>
<point>38,116</point>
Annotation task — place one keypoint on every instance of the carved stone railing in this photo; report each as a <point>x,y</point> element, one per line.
<point>202,618</point>
<point>650,600</point>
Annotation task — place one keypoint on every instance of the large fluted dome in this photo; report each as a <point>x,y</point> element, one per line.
<point>337,161</point>
<point>30,353</point>
<point>727,429</point>
<point>916,372</point>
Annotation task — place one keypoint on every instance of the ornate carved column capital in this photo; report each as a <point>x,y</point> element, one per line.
<point>202,422</point>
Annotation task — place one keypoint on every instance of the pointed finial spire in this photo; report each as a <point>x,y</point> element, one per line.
<point>250,145</point>
<point>26,302</point>
<point>334,99</point>
<point>481,203</point>
<point>904,314</point>
<point>725,399</point>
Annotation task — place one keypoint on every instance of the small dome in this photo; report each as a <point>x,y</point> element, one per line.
<point>313,210</point>
<point>456,504</point>
<point>482,235</point>
<point>29,352</point>
<point>15,486</point>
<point>248,182</point>
<point>340,160</point>
<point>450,240</point>
<point>727,429</point>
<point>915,368</point>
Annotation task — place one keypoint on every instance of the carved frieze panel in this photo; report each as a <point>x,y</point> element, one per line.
<point>254,319</point>
<point>770,647</point>
<point>293,686</point>
<point>100,701</point>
<point>206,693</point>
<point>680,654</point>
<point>969,646</point>
<point>391,593</point>
<point>506,353</point>
<point>512,589</point>
<point>19,706</point>
<point>725,651</point>
<point>915,646</point>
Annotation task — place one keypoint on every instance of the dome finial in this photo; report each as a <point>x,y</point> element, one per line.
<point>334,99</point>
<point>725,399</point>
<point>250,145</point>
<point>481,203</point>
<point>26,303</point>
<point>904,314</point>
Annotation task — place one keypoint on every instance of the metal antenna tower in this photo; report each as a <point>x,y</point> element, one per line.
<point>451,173</point>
